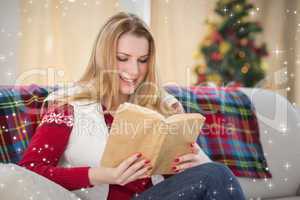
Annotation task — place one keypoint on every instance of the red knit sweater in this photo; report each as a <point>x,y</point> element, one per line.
<point>47,146</point>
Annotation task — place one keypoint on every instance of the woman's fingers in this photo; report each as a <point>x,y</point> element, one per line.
<point>183,162</point>
<point>128,162</point>
<point>185,158</point>
<point>195,147</point>
<point>145,176</point>
<point>134,168</point>
<point>189,160</point>
<point>202,157</point>
<point>139,174</point>
<point>190,156</point>
<point>184,166</point>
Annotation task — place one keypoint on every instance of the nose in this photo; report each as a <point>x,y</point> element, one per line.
<point>133,69</point>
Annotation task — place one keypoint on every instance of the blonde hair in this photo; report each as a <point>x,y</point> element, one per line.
<point>100,80</point>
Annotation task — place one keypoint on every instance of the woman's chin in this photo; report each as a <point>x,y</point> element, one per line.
<point>127,91</point>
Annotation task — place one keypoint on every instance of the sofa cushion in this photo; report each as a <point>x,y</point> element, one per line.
<point>230,134</point>
<point>287,198</point>
<point>19,116</point>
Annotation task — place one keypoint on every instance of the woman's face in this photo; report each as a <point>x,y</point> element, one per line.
<point>132,61</point>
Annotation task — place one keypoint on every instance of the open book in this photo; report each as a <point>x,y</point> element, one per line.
<point>139,129</point>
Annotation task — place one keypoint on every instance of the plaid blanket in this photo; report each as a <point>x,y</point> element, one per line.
<point>231,133</point>
<point>19,116</point>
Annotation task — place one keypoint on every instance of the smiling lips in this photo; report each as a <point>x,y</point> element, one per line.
<point>127,79</point>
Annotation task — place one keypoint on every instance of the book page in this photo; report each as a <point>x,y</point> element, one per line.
<point>181,131</point>
<point>132,132</point>
<point>125,107</point>
<point>181,116</point>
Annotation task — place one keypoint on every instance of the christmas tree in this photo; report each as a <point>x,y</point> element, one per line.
<point>229,53</point>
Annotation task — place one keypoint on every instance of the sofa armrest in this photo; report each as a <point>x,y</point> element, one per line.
<point>19,183</point>
<point>279,123</point>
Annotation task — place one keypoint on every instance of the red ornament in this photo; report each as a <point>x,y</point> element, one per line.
<point>261,51</point>
<point>231,34</point>
<point>216,56</point>
<point>234,84</point>
<point>258,24</point>
<point>201,79</point>
<point>217,37</point>
<point>251,44</point>
<point>243,42</point>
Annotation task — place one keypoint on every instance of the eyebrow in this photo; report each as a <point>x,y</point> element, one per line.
<point>130,55</point>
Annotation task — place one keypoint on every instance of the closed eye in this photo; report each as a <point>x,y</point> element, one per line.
<point>126,59</point>
<point>144,61</point>
<point>122,59</point>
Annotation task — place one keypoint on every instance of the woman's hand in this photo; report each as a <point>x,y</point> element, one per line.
<point>197,157</point>
<point>171,102</point>
<point>177,106</point>
<point>129,170</point>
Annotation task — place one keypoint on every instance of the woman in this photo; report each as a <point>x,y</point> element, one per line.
<point>69,142</point>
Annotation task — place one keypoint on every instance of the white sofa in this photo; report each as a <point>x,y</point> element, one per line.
<point>279,124</point>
